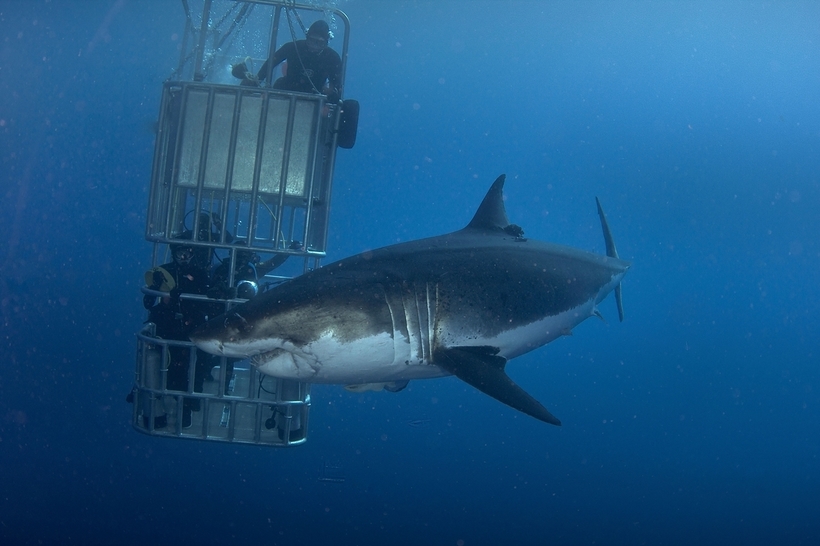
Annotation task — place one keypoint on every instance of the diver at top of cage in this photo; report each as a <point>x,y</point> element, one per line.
<point>249,269</point>
<point>312,66</point>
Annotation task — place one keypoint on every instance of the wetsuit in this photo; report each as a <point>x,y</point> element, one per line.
<point>177,317</point>
<point>306,70</point>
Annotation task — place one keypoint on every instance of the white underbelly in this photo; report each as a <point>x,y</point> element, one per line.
<point>522,339</point>
<point>384,358</point>
<point>377,358</point>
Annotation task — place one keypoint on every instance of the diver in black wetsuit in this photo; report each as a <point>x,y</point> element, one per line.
<point>210,230</point>
<point>312,67</point>
<point>175,318</point>
<point>247,273</point>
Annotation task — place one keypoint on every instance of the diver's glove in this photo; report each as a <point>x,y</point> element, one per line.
<point>216,220</point>
<point>240,71</point>
<point>333,96</point>
<point>250,80</point>
<point>217,293</point>
<point>158,279</point>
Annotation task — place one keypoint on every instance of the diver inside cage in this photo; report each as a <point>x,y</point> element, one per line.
<point>310,66</point>
<point>209,231</point>
<point>174,317</point>
<point>247,274</point>
<point>246,285</point>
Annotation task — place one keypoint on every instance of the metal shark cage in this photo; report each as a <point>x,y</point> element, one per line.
<point>236,169</point>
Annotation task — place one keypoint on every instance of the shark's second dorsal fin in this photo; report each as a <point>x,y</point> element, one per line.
<point>491,214</point>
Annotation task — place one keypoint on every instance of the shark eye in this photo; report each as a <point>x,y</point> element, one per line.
<point>237,322</point>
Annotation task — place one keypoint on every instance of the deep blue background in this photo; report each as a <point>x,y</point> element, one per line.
<point>695,421</point>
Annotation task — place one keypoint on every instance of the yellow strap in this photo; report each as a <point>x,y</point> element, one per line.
<point>168,282</point>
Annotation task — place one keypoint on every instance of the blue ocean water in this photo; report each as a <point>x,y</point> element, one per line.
<point>695,421</point>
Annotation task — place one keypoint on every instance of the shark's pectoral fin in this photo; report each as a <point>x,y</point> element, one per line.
<point>390,386</point>
<point>482,368</point>
<point>396,386</point>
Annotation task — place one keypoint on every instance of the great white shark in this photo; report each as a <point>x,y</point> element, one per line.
<point>463,303</point>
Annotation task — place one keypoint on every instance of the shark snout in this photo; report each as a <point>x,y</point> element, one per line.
<point>219,347</point>
<point>229,335</point>
<point>212,346</point>
<point>212,336</point>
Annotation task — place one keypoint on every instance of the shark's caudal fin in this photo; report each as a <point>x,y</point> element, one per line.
<point>491,213</point>
<point>482,368</point>
<point>612,252</point>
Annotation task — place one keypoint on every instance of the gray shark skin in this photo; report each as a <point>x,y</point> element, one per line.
<point>463,303</point>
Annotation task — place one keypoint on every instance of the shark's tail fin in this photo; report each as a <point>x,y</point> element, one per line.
<point>612,252</point>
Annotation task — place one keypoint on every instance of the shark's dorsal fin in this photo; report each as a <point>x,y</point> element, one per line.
<point>491,214</point>
<point>611,251</point>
